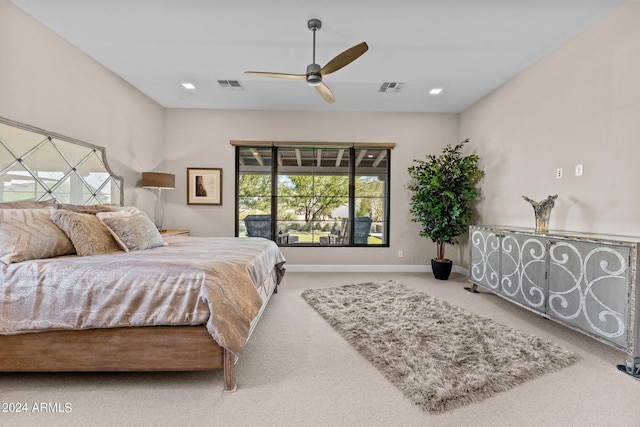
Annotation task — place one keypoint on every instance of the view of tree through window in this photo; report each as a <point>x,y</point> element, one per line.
<point>309,195</point>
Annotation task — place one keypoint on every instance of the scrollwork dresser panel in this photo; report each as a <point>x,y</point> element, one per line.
<point>585,281</point>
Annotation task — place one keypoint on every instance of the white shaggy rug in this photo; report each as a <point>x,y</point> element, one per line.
<point>440,356</point>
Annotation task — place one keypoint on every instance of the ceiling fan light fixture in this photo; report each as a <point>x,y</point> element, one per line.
<point>314,78</point>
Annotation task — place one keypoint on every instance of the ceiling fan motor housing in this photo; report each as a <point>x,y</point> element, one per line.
<point>314,78</point>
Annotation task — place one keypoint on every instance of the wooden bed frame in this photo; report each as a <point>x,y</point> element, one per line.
<point>152,348</point>
<point>149,348</point>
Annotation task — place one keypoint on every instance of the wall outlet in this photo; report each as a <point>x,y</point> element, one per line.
<point>579,169</point>
<point>559,173</point>
<point>400,254</point>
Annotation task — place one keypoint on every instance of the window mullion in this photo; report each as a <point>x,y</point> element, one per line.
<point>238,195</point>
<point>274,193</point>
<point>352,193</point>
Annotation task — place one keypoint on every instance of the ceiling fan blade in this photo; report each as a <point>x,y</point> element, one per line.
<point>326,93</point>
<point>345,58</point>
<point>277,75</point>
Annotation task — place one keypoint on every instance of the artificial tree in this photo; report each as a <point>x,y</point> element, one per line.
<point>443,188</point>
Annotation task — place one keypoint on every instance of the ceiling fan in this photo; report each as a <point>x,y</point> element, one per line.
<point>315,73</point>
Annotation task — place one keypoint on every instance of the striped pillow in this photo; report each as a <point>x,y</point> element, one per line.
<point>29,204</point>
<point>30,234</point>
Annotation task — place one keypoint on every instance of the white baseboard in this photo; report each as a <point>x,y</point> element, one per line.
<point>367,268</point>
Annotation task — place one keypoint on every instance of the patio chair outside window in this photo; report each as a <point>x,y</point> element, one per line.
<point>361,231</point>
<point>260,226</point>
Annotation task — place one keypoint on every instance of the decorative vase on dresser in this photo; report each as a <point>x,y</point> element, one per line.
<point>585,281</point>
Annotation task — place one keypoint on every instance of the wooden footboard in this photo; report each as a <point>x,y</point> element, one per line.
<point>149,348</point>
<point>154,348</point>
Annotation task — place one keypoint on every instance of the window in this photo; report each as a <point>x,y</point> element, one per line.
<point>313,194</point>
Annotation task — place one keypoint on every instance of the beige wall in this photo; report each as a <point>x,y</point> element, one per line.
<point>48,83</point>
<point>200,138</point>
<point>580,104</point>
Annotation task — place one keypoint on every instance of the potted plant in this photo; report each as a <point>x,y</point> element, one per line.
<point>443,188</point>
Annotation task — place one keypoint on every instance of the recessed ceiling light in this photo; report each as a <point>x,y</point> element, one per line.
<point>189,86</point>
<point>435,91</point>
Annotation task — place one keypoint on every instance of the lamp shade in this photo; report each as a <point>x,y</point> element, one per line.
<point>158,180</point>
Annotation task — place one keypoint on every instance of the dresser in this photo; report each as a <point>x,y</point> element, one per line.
<point>585,281</point>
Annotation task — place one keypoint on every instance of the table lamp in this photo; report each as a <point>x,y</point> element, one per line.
<point>159,181</point>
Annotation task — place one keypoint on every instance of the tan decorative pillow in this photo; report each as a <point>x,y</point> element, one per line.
<point>88,209</point>
<point>29,204</point>
<point>88,235</point>
<point>30,234</point>
<point>132,231</point>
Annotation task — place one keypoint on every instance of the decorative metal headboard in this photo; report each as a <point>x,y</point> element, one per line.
<point>38,165</point>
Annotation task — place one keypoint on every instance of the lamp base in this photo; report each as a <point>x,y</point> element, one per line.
<point>158,214</point>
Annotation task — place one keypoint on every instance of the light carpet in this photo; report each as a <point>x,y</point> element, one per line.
<point>440,356</point>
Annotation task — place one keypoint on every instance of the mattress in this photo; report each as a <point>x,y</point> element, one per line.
<point>221,282</point>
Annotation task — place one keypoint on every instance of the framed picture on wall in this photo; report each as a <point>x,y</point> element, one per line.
<point>204,186</point>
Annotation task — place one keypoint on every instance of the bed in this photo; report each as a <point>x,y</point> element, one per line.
<point>139,302</point>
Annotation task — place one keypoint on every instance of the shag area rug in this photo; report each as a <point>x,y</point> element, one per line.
<point>440,356</point>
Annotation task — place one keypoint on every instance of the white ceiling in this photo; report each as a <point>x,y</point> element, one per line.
<point>467,47</point>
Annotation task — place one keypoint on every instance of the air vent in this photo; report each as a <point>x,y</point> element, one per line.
<point>230,84</point>
<point>391,87</point>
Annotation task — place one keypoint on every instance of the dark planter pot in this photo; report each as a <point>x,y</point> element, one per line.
<point>441,268</point>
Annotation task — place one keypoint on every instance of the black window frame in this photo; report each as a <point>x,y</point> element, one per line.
<point>352,196</point>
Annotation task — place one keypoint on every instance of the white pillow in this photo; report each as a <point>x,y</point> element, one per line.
<point>132,229</point>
